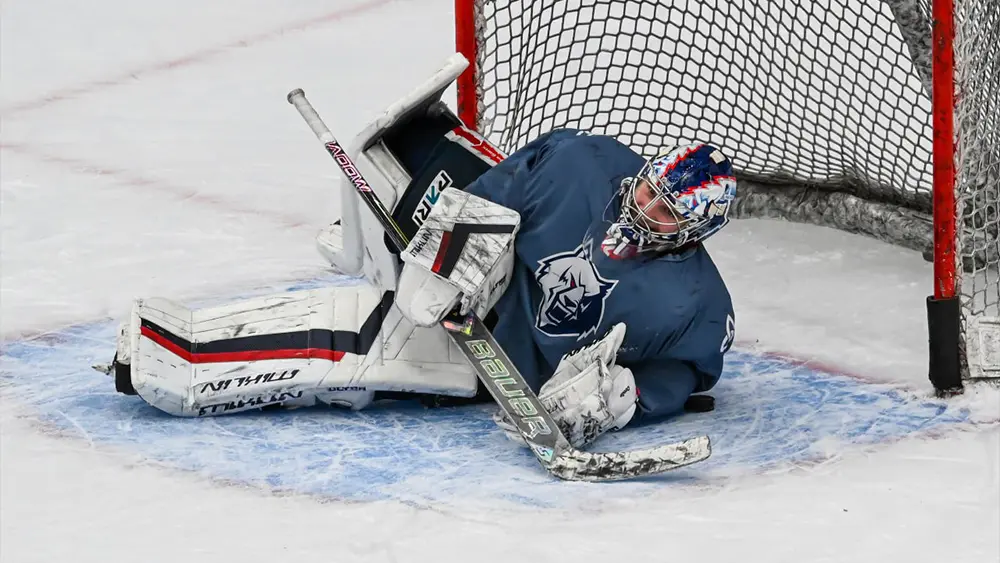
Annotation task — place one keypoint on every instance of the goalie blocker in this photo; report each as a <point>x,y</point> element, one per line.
<point>338,345</point>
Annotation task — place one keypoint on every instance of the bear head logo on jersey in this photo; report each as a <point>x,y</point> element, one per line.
<point>573,293</point>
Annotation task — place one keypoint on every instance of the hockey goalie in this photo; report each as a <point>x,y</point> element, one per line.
<point>584,259</point>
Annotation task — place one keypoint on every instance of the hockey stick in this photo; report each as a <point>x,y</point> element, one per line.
<point>501,378</point>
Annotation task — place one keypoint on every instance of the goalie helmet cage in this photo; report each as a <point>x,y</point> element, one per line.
<point>877,117</point>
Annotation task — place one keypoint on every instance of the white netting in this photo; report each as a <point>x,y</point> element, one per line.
<point>823,105</point>
<point>977,158</point>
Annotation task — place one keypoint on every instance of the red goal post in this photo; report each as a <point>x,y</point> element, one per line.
<point>879,117</point>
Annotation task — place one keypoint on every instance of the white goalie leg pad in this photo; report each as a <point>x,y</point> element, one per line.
<point>463,253</point>
<point>333,345</point>
<point>125,344</point>
<point>362,234</point>
<point>271,350</point>
<point>343,255</point>
<point>588,394</point>
<point>416,359</point>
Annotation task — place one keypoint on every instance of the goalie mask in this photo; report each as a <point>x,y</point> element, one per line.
<point>680,197</point>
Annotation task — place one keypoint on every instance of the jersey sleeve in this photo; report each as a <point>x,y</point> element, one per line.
<point>690,363</point>
<point>504,184</point>
<point>664,386</point>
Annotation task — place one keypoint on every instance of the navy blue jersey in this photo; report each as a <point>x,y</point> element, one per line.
<point>566,293</point>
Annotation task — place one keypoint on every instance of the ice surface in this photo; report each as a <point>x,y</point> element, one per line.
<point>147,149</point>
<point>772,413</point>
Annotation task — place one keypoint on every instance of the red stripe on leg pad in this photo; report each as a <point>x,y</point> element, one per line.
<point>166,344</point>
<point>242,356</point>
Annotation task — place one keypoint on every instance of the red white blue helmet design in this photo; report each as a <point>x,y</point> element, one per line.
<point>685,192</point>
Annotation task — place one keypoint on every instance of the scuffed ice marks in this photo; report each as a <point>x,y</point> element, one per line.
<point>770,414</point>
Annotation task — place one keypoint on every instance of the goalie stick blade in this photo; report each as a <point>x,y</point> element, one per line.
<point>576,465</point>
<point>541,433</point>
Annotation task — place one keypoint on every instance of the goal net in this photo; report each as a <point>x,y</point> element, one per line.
<point>825,107</point>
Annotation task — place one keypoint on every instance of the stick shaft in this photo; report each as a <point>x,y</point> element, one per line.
<point>298,99</point>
